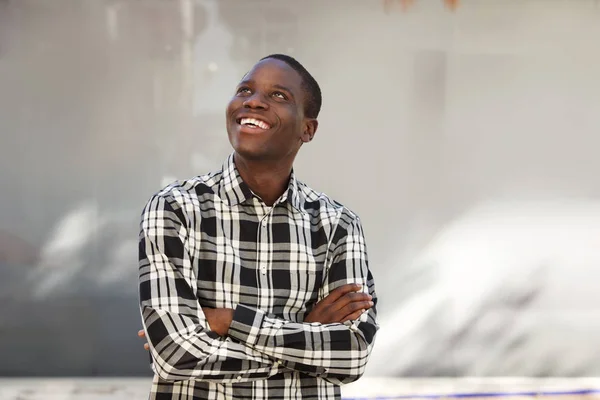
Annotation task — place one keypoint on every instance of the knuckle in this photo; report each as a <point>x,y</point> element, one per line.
<point>358,297</point>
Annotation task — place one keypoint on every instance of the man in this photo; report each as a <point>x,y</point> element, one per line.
<point>253,285</point>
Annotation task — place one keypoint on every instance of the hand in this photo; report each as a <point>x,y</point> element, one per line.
<point>142,334</point>
<point>341,305</point>
<point>219,319</point>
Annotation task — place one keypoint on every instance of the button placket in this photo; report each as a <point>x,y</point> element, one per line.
<point>264,224</point>
<point>262,245</point>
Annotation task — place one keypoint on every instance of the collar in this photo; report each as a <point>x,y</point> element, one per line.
<point>233,190</point>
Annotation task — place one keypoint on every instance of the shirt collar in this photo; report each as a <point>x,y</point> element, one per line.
<point>233,190</point>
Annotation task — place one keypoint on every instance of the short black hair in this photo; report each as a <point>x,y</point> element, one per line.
<point>312,91</point>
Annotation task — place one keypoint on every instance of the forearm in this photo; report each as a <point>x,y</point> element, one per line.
<point>182,349</point>
<point>336,352</point>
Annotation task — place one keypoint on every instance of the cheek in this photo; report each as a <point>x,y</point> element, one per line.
<point>233,105</point>
<point>291,117</point>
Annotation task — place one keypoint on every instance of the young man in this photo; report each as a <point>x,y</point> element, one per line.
<point>253,285</point>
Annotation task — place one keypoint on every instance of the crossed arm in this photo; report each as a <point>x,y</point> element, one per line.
<point>225,345</point>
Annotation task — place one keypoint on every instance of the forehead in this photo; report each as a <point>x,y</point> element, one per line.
<point>271,72</point>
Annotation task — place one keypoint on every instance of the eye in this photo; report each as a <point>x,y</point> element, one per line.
<point>279,95</point>
<point>243,90</point>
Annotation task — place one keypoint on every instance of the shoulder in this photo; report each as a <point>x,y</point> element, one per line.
<point>188,193</point>
<point>326,206</point>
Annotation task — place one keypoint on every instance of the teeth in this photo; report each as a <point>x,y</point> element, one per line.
<point>255,122</point>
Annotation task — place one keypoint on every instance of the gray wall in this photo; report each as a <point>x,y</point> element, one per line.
<point>466,141</point>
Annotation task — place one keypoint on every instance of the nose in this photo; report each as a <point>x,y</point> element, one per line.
<point>256,101</point>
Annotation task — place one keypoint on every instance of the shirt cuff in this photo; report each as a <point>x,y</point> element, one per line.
<point>246,324</point>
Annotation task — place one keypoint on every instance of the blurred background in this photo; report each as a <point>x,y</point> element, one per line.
<point>465,135</point>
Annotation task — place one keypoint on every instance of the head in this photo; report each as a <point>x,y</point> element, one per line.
<point>274,110</point>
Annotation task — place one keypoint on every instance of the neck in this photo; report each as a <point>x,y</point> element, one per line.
<point>269,180</point>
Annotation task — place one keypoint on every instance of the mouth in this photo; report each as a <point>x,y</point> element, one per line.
<point>253,123</point>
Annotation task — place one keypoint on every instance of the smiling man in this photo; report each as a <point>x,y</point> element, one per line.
<point>252,285</point>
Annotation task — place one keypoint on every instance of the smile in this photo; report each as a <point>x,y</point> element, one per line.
<point>254,123</point>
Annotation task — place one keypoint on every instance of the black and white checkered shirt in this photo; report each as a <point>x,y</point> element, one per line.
<point>210,242</point>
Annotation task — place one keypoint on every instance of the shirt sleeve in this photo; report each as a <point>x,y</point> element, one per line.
<point>182,346</point>
<point>336,352</point>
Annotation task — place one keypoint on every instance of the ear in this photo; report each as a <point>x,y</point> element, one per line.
<point>310,128</point>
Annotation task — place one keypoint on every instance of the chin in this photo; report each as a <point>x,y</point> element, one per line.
<point>250,151</point>
<point>252,154</point>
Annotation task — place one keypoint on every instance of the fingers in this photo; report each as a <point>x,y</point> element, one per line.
<point>355,306</point>
<point>348,307</point>
<point>339,292</point>
<point>351,299</point>
<point>356,314</point>
<point>343,302</point>
<point>142,334</point>
<point>353,316</point>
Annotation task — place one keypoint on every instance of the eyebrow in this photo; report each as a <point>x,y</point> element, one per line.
<point>283,88</point>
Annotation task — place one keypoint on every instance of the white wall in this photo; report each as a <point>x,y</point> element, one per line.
<point>466,141</point>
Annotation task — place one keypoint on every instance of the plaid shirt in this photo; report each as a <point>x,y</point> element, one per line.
<point>210,242</point>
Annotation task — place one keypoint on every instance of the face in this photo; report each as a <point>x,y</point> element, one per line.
<point>265,117</point>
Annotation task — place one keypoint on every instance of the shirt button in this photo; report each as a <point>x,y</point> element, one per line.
<point>263,269</point>
<point>239,378</point>
<point>264,223</point>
